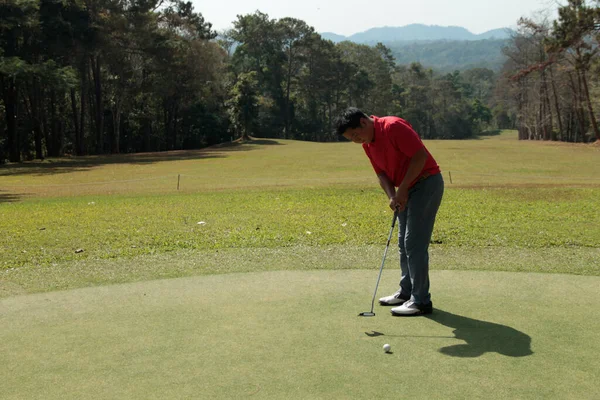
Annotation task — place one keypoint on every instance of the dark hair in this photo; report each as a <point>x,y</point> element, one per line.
<point>349,119</point>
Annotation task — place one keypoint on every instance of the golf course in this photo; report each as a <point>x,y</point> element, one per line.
<point>239,271</point>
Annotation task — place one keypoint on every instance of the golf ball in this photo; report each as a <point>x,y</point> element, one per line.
<point>387,348</point>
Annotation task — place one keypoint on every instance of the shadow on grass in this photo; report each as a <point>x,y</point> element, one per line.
<point>9,197</point>
<point>246,145</point>
<point>376,334</point>
<point>493,132</point>
<point>482,337</point>
<point>76,164</point>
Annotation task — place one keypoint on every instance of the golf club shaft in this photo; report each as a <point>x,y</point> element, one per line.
<point>383,260</point>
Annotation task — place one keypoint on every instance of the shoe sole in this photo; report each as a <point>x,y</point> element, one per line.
<point>425,312</point>
<point>382,303</point>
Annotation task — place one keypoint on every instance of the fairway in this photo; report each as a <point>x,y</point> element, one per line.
<point>297,335</point>
<point>246,281</point>
<point>267,164</point>
<point>198,200</point>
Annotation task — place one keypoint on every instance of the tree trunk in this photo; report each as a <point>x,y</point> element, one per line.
<point>287,95</point>
<point>116,122</point>
<point>540,126</point>
<point>10,106</point>
<point>83,98</point>
<point>47,127</point>
<point>556,105</point>
<point>59,125</point>
<point>116,142</point>
<point>147,132</point>
<point>590,108</point>
<point>577,105</point>
<point>99,109</point>
<point>521,104</point>
<point>167,117</point>
<point>75,120</point>
<point>50,129</point>
<point>36,120</point>
<point>175,127</point>
<point>549,124</point>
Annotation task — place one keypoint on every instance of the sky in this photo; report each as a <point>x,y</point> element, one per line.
<point>346,17</point>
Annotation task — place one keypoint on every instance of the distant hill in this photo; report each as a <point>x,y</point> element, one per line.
<point>416,32</point>
<point>334,37</point>
<point>448,56</point>
<point>444,48</point>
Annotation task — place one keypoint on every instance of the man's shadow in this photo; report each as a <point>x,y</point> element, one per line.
<point>481,337</point>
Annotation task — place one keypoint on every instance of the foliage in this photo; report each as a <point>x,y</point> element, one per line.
<point>108,76</point>
<point>548,79</point>
<point>150,75</point>
<point>243,104</point>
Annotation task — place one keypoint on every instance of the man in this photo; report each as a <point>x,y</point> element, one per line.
<point>411,179</point>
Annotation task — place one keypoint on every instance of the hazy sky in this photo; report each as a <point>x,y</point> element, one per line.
<point>346,17</point>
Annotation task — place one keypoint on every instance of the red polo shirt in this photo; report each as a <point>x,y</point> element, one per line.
<point>394,144</point>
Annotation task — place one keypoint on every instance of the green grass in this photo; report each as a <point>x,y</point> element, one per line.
<point>283,164</point>
<point>293,334</point>
<point>185,263</point>
<point>49,231</point>
<point>110,287</point>
<point>284,194</point>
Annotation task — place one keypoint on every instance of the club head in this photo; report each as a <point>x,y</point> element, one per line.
<point>367,314</point>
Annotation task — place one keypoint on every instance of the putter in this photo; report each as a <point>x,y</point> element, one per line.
<point>371,313</point>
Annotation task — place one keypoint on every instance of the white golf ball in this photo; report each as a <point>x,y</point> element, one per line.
<point>387,348</point>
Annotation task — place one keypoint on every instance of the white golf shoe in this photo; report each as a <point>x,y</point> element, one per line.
<point>411,308</point>
<point>394,300</point>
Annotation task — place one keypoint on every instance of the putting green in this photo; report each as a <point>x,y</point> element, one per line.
<point>297,335</point>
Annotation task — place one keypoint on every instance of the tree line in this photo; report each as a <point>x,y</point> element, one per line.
<point>84,77</point>
<point>551,80</point>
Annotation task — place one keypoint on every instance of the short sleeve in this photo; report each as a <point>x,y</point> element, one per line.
<point>404,138</point>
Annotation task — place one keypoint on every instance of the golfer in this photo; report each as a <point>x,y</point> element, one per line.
<point>411,179</point>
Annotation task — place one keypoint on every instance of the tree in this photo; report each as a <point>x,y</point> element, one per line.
<point>243,104</point>
<point>226,41</point>
<point>294,36</point>
<point>260,50</point>
<point>576,24</point>
<point>529,74</point>
<point>414,84</point>
<point>481,115</point>
<point>323,86</point>
<point>371,85</point>
<point>18,27</point>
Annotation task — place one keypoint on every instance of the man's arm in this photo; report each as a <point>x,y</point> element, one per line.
<point>417,163</point>
<point>387,185</point>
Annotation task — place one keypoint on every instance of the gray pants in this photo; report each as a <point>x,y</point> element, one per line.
<point>415,229</point>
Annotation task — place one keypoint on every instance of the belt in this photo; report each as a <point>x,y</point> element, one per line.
<point>423,177</point>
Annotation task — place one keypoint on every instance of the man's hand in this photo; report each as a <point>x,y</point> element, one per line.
<point>399,201</point>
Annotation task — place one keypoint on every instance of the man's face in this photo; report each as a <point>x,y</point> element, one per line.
<point>362,134</point>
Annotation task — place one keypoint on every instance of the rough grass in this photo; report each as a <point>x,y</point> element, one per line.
<point>518,199</point>
<point>50,231</point>
<point>185,263</point>
<point>267,164</point>
<point>289,244</point>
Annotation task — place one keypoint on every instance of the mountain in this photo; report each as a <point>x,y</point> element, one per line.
<point>443,48</point>
<point>416,32</point>
<point>334,37</point>
<point>502,33</point>
<point>448,56</point>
